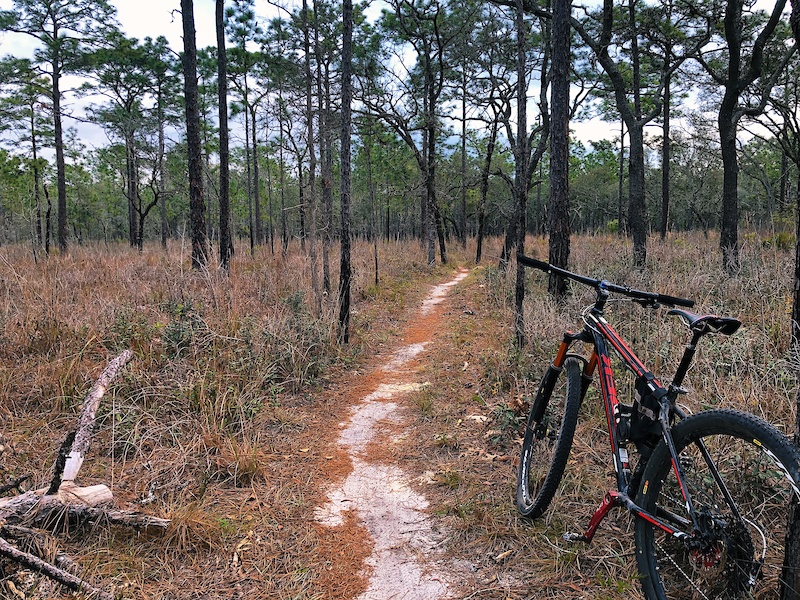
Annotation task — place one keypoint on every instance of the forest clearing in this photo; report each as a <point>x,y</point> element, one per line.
<point>228,419</point>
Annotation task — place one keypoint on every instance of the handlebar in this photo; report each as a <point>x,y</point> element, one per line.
<point>645,298</point>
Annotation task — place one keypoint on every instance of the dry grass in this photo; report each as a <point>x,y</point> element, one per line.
<point>216,423</point>
<point>226,421</point>
<point>481,387</point>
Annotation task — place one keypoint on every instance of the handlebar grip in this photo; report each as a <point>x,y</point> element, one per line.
<point>532,262</point>
<point>675,301</point>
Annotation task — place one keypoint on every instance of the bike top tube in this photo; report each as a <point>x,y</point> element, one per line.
<point>645,298</point>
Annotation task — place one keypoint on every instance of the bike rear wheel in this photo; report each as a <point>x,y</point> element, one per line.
<point>741,550</point>
<point>548,439</point>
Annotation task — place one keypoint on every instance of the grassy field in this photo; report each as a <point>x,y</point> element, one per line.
<point>216,424</point>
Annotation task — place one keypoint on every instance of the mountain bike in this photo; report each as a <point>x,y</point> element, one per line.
<point>713,493</point>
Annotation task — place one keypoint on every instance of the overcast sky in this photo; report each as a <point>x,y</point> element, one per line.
<point>139,19</point>
<point>142,18</point>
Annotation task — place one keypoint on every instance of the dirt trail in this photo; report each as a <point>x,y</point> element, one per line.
<point>378,491</point>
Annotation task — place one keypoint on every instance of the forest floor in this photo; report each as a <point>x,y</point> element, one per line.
<point>295,469</point>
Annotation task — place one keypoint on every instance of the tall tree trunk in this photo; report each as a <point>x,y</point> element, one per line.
<point>521,174</point>
<point>325,155</point>
<point>271,228</point>
<point>621,225</point>
<point>36,181</point>
<point>131,188</point>
<point>487,165</point>
<point>373,205</point>
<point>259,237</point>
<point>637,210</point>
<point>665,158</point>
<point>312,167</point>
<point>250,214</point>
<point>162,196</point>
<point>302,206</point>
<point>729,234</point>
<point>225,241</point>
<point>58,131</point>
<point>197,224</point>
<point>344,270</point>
<point>464,157</point>
<point>559,226</point>
<point>282,170</point>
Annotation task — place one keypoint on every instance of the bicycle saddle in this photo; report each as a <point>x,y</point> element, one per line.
<point>703,324</point>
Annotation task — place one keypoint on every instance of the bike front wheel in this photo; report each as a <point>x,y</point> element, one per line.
<point>548,438</point>
<point>742,476</point>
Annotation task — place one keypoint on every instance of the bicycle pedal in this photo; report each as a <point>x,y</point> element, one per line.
<point>574,537</point>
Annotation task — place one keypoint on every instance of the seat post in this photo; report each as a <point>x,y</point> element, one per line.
<point>686,360</point>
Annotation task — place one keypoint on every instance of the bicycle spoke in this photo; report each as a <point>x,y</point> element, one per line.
<point>741,496</point>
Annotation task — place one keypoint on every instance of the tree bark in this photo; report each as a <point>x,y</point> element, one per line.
<point>225,240</point>
<point>197,223</point>
<point>312,167</point>
<point>58,129</point>
<point>637,209</point>
<point>559,226</point>
<point>665,159</point>
<point>728,235</point>
<point>487,165</point>
<point>521,174</point>
<point>344,270</point>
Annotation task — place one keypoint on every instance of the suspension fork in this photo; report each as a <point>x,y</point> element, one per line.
<point>551,376</point>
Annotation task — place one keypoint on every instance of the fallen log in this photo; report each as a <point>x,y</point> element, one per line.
<point>64,504</point>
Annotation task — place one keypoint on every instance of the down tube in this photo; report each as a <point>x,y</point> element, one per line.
<point>608,391</point>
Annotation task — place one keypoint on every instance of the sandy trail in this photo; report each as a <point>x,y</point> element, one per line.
<point>379,492</point>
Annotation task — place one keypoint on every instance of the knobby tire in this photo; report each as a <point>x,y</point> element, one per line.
<point>547,441</point>
<point>761,470</point>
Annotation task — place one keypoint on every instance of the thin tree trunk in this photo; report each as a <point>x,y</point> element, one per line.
<point>284,230</point>
<point>621,225</point>
<point>665,159</point>
<point>259,237</point>
<point>521,175</point>
<point>250,214</point>
<point>36,181</point>
<point>161,151</point>
<point>464,158</point>
<point>58,130</point>
<point>485,189</point>
<point>225,241</point>
<point>344,270</point>
<point>312,168</point>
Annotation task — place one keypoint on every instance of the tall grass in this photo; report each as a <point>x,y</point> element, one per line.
<point>213,422</point>
<point>220,422</point>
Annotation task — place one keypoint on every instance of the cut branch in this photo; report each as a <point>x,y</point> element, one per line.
<point>83,436</point>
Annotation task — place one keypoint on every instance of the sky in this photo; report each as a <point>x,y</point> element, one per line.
<point>142,18</point>
<point>139,19</point>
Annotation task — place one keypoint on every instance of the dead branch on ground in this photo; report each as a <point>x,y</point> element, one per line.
<point>25,519</point>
